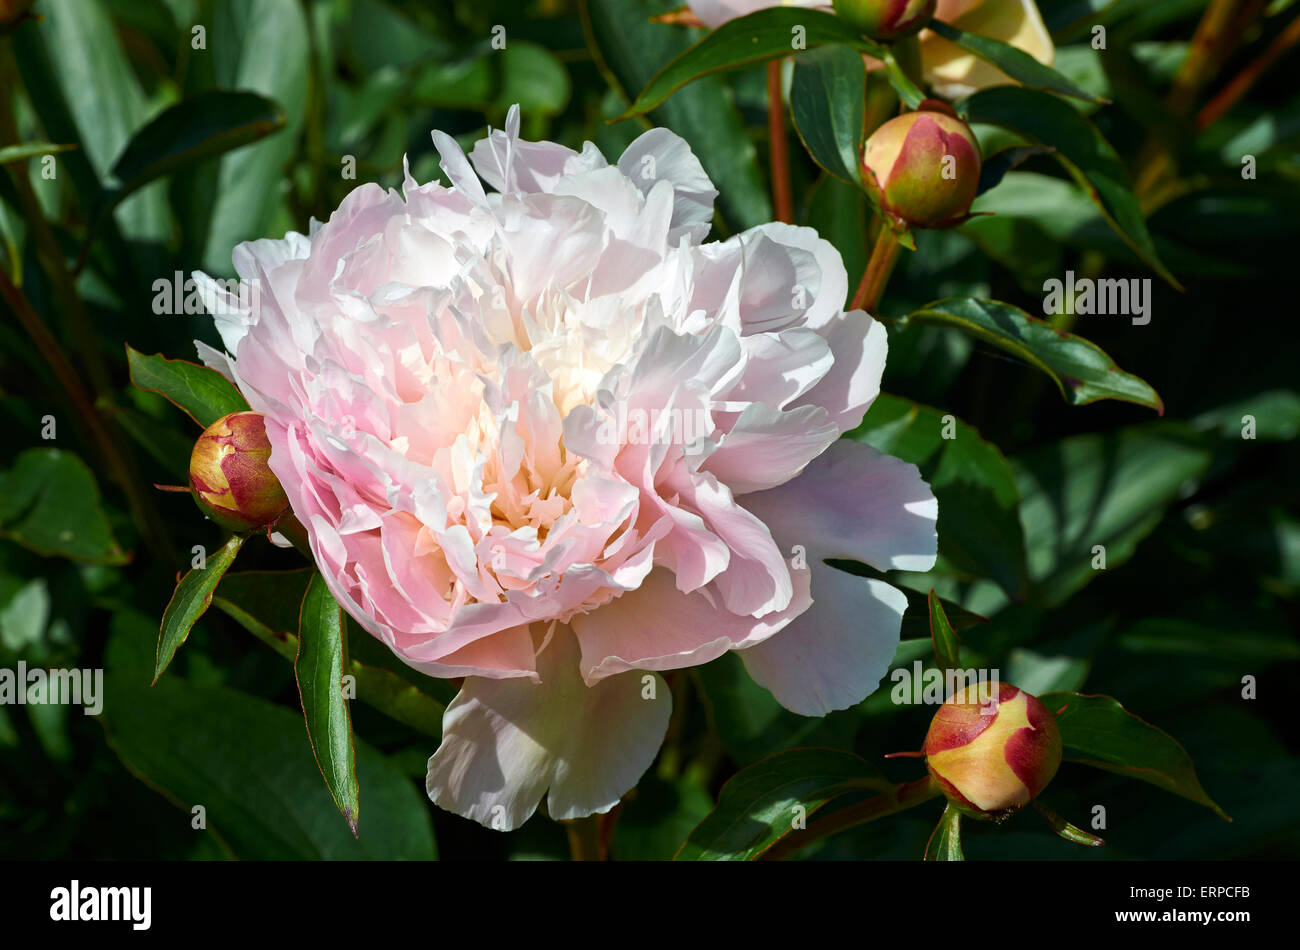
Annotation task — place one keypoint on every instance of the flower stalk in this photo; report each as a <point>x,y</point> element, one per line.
<point>778,146</point>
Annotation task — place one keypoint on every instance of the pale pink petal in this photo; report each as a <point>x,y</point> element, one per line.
<point>507,742</point>
<point>660,155</point>
<point>855,503</point>
<point>834,654</point>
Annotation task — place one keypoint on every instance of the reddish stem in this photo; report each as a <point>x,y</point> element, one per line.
<point>782,198</point>
<point>883,257</point>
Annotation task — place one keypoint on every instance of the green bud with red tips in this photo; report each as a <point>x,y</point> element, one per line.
<point>923,168</point>
<point>885,19</point>
<point>992,748</point>
<point>229,475</point>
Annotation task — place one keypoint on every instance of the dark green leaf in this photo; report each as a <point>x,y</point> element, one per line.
<point>102,96</point>
<point>1081,149</point>
<point>947,650</point>
<point>1081,370</point>
<point>191,599</point>
<point>996,166</point>
<point>49,503</point>
<point>945,843</point>
<point>765,802</point>
<point>1099,731</point>
<point>243,760</point>
<point>322,658</point>
<point>203,393</point>
<point>1099,490</point>
<point>1015,62</point>
<point>201,127</point>
<point>827,102</point>
<point>1272,416</point>
<point>746,40</point>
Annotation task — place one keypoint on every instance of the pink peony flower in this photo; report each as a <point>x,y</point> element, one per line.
<point>546,439</point>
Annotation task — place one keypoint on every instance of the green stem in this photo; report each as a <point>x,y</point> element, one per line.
<point>900,798</point>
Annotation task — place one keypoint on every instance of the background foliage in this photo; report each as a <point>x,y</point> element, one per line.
<point>1201,527</point>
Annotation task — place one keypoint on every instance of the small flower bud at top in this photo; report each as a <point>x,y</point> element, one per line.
<point>885,19</point>
<point>992,748</point>
<point>923,168</point>
<point>229,475</point>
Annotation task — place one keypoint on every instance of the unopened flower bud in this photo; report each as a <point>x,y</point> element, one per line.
<point>229,475</point>
<point>885,19</point>
<point>923,167</point>
<point>992,748</point>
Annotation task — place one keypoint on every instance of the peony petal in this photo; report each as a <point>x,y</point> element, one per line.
<point>835,653</point>
<point>855,503</point>
<point>661,155</point>
<point>657,627</point>
<point>506,742</point>
<point>852,384</point>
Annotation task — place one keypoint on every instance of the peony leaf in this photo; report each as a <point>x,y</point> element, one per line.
<point>947,649</point>
<point>1016,63</point>
<point>319,668</point>
<point>1088,500</point>
<point>243,760</point>
<point>49,503</point>
<point>996,166</point>
<point>765,802</point>
<point>191,599</point>
<point>86,91</point>
<point>827,101</point>
<point>979,528</point>
<point>203,393</point>
<point>1099,731</point>
<point>1081,149</point>
<point>767,34</point>
<point>201,127</point>
<point>1081,370</point>
<point>945,842</point>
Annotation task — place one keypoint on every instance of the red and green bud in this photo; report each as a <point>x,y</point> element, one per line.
<point>923,168</point>
<point>992,748</point>
<point>885,19</point>
<point>229,475</point>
